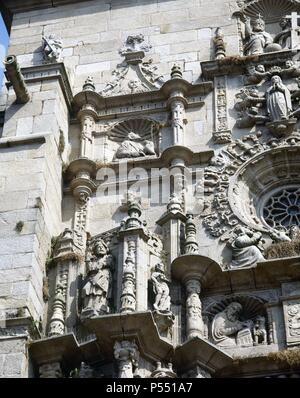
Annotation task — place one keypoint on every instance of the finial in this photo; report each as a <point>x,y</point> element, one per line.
<point>89,84</point>
<point>190,244</point>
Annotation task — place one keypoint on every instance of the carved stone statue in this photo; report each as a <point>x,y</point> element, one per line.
<point>259,331</point>
<point>195,324</point>
<point>284,37</point>
<point>52,48</point>
<point>127,354</point>
<point>257,39</point>
<point>161,289</point>
<point>226,326</point>
<point>245,252</point>
<point>97,289</point>
<point>279,103</point>
<point>134,146</point>
<point>256,74</point>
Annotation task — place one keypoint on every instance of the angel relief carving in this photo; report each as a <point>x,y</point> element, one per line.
<point>136,138</point>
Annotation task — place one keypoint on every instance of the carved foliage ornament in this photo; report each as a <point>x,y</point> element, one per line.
<point>219,218</point>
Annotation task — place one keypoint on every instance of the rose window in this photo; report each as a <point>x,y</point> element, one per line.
<point>283,208</point>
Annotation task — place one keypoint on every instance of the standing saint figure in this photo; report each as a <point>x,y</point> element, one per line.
<point>257,39</point>
<point>245,252</point>
<point>161,289</point>
<point>96,291</point>
<point>279,103</point>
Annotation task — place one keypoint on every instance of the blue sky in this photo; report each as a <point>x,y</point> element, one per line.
<point>3,46</point>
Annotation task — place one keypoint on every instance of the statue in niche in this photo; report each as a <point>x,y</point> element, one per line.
<point>134,146</point>
<point>257,39</point>
<point>228,330</point>
<point>161,289</point>
<point>96,291</point>
<point>284,37</point>
<point>279,103</point>
<point>52,48</point>
<point>259,330</point>
<point>245,252</point>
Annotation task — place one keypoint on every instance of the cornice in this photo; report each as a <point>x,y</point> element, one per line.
<point>50,72</point>
<point>236,65</point>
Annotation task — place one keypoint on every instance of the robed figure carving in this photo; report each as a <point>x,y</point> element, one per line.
<point>279,104</point>
<point>256,38</point>
<point>227,327</point>
<point>96,291</point>
<point>245,252</point>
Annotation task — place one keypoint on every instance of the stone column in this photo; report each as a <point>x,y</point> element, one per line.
<point>87,116</point>
<point>172,223</point>
<point>177,103</point>
<point>133,281</point>
<point>63,256</point>
<point>194,321</point>
<point>127,356</point>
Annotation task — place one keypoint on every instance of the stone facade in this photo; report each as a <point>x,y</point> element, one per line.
<point>149,186</point>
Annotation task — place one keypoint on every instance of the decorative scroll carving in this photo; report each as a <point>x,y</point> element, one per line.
<point>222,134</point>
<point>80,220</point>
<point>291,309</point>
<point>293,312</point>
<point>97,289</point>
<point>52,47</point>
<point>219,218</point>
<point>133,75</point>
<point>127,355</point>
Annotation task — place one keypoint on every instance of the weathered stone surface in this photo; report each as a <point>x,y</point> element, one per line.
<point>128,65</point>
